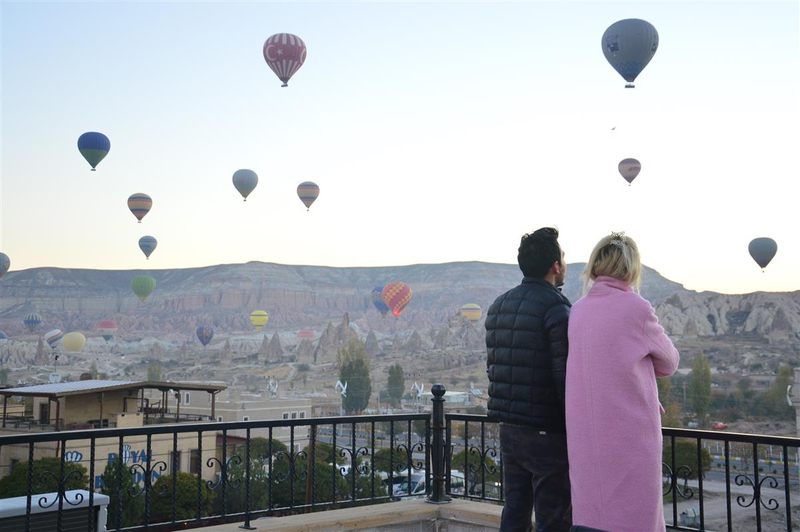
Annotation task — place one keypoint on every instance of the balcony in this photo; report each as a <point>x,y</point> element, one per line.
<point>378,472</point>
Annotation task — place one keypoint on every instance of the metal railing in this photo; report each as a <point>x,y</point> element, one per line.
<point>342,462</point>
<point>336,462</point>
<point>750,480</point>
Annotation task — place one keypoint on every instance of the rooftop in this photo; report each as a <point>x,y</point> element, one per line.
<point>62,389</point>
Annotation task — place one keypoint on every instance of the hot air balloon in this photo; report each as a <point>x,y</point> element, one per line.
<point>377,300</point>
<point>5,264</point>
<point>53,337</point>
<point>94,147</point>
<point>397,295</point>
<point>140,204</point>
<point>143,286</point>
<point>258,318</point>
<point>285,54</point>
<point>32,321</point>
<point>245,182</point>
<point>148,245</point>
<point>763,250</point>
<point>471,311</point>
<point>107,328</point>
<point>629,169</point>
<point>308,192</point>
<point>73,342</point>
<point>205,334</point>
<point>629,45</point>
<point>306,335</point>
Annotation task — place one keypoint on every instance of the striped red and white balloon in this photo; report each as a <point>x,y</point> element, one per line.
<point>140,204</point>
<point>397,295</point>
<point>308,193</point>
<point>285,54</point>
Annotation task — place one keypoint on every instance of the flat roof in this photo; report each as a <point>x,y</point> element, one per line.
<point>61,389</point>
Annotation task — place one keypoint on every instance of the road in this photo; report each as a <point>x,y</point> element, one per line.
<point>715,506</point>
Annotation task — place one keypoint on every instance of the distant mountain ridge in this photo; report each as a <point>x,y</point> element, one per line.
<point>291,294</point>
<point>310,296</point>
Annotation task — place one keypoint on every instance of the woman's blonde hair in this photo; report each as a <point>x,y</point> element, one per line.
<point>617,256</point>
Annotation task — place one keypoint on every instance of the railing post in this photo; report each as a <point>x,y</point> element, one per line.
<point>438,495</point>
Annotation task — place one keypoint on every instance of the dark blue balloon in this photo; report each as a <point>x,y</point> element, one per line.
<point>94,147</point>
<point>3,336</point>
<point>377,300</point>
<point>205,334</point>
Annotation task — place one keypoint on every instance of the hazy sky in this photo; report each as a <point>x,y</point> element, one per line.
<point>436,132</point>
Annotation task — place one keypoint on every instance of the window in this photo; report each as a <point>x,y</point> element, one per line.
<point>286,415</point>
<point>294,415</point>
<point>219,419</point>
<point>186,398</point>
<point>302,415</point>
<point>246,418</point>
<point>14,462</point>
<point>194,461</point>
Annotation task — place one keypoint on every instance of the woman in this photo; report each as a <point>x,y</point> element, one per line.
<point>616,351</point>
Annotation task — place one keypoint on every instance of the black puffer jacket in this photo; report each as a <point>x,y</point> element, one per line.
<point>526,340</point>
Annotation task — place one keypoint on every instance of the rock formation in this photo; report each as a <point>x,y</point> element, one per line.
<point>42,357</point>
<point>275,350</point>
<point>770,315</point>
<point>414,344</point>
<point>305,351</point>
<point>371,345</point>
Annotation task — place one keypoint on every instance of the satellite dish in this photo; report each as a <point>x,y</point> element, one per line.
<point>55,378</point>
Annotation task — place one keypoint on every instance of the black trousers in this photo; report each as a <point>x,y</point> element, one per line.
<point>535,478</point>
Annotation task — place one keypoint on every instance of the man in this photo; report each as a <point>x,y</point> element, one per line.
<point>526,340</point>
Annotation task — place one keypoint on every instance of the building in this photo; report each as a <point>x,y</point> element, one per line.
<point>247,406</point>
<point>101,404</point>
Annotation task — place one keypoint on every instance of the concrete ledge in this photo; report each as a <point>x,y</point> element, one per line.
<point>411,515</point>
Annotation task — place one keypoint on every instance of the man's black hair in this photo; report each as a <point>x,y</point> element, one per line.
<point>538,251</point>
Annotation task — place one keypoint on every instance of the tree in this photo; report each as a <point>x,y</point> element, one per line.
<point>93,370</point>
<point>671,416</point>
<point>473,463</point>
<point>132,507</point>
<point>46,472</point>
<point>185,498</point>
<point>3,376</point>
<point>776,396</point>
<point>686,455</point>
<point>418,426</point>
<point>399,460</point>
<point>354,367</point>
<point>397,383</point>
<point>664,390</point>
<point>157,351</point>
<point>154,371</point>
<point>700,387</point>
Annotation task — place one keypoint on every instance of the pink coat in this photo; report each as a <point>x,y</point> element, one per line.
<point>616,351</point>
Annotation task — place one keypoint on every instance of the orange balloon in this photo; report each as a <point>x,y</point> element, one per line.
<point>397,295</point>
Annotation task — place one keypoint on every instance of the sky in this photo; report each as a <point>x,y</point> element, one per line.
<point>437,132</point>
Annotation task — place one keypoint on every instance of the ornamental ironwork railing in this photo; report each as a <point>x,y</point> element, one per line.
<point>170,477</point>
<point>748,482</point>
